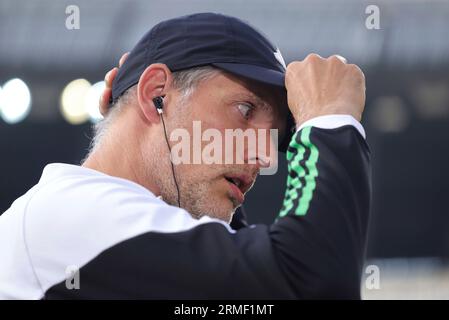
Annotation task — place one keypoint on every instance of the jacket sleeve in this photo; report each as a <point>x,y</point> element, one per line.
<point>314,249</point>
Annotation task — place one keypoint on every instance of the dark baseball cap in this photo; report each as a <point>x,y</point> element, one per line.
<point>205,39</point>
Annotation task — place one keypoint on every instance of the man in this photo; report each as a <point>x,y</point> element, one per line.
<point>131,225</point>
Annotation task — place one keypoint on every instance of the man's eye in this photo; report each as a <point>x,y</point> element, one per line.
<point>245,109</point>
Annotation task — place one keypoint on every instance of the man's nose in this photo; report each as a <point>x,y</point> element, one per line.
<point>260,150</point>
<point>261,161</point>
<point>261,157</point>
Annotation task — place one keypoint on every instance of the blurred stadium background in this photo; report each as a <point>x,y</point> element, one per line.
<point>406,64</point>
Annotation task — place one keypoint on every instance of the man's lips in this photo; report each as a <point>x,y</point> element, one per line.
<point>240,184</point>
<point>236,193</point>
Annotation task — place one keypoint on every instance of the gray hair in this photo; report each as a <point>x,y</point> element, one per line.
<point>184,81</point>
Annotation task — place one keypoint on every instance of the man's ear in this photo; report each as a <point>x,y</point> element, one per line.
<point>154,81</point>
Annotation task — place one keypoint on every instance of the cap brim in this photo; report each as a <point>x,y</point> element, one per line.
<point>253,72</point>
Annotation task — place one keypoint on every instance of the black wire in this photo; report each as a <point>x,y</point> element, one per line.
<point>171,162</point>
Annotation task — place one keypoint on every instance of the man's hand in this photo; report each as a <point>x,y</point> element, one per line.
<point>107,92</point>
<point>318,87</point>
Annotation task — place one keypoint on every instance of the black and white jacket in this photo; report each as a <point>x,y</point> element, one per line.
<point>123,242</point>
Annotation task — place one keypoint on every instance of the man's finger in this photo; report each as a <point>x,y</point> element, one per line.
<point>343,59</point>
<point>107,92</point>
<point>104,101</point>
<point>110,77</point>
<point>122,59</point>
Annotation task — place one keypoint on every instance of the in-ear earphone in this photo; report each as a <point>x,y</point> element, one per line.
<point>159,104</point>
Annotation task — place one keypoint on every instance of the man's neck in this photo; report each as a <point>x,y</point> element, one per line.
<point>118,164</point>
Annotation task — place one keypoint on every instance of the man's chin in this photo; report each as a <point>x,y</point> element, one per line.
<point>226,211</point>
<point>222,209</point>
